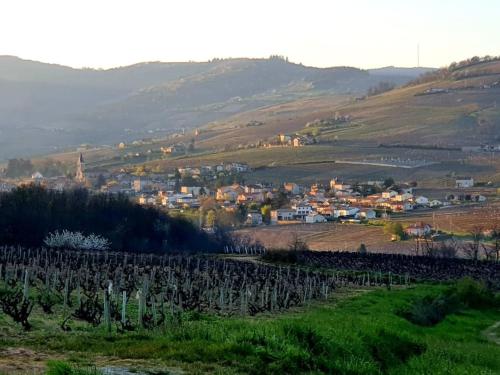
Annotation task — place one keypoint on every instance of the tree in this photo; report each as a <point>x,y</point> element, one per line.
<point>191,145</point>
<point>297,244</point>
<point>266,213</point>
<point>362,249</point>
<point>101,181</point>
<point>495,235</point>
<point>388,182</point>
<point>394,228</point>
<point>127,225</point>
<point>471,249</point>
<point>210,219</point>
<point>380,88</point>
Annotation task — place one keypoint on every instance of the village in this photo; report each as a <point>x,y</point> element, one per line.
<point>217,196</point>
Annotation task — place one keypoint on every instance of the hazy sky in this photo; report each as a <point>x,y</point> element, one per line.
<point>362,33</point>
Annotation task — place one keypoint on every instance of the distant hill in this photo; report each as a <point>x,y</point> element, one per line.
<point>47,107</point>
<point>456,106</point>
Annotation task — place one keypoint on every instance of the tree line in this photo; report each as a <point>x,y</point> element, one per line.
<point>29,213</point>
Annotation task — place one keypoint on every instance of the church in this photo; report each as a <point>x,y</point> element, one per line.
<point>80,170</point>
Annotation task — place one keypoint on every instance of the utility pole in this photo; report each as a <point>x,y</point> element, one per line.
<point>418,55</point>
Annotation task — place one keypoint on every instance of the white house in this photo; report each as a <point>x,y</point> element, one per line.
<point>418,229</point>
<point>37,176</point>
<point>366,214</point>
<point>302,210</point>
<point>344,212</point>
<point>435,203</point>
<point>464,182</point>
<point>422,201</point>
<point>282,214</point>
<point>315,218</point>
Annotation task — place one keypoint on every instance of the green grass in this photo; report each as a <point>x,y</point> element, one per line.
<point>360,334</point>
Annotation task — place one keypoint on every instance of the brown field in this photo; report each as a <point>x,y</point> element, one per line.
<point>329,237</point>
<point>338,237</point>
<point>459,219</point>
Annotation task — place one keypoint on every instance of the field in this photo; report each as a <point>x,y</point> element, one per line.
<point>329,236</point>
<point>460,220</point>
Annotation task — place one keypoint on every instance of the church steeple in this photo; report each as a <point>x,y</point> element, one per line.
<point>80,169</point>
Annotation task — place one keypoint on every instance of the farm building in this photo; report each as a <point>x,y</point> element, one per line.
<point>313,218</point>
<point>464,182</point>
<point>418,229</point>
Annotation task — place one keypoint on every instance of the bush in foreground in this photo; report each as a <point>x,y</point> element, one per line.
<point>465,293</point>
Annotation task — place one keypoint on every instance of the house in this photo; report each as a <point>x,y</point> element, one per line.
<point>335,185</point>
<point>147,200</point>
<point>196,191</point>
<point>229,193</point>
<point>389,194</point>
<point>37,176</point>
<point>237,167</point>
<point>284,139</point>
<point>418,229</point>
<point>401,206</point>
<point>6,187</point>
<point>292,188</point>
<point>464,182</point>
<point>345,212</point>
<point>254,218</point>
<point>313,218</point>
<point>302,210</point>
<point>297,142</point>
<point>402,197</point>
<point>435,203</point>
<point>366,214</point>
<point>254,188</point>
<point>282,214</point>
<point>140,184</point>
<point>422,201</point>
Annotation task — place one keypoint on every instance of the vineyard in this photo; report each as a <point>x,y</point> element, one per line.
<point>417,268</point>
<point>238,313</point>
<point>126,292</point>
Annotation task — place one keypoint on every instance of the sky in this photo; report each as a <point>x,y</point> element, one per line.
<point>361,33</point>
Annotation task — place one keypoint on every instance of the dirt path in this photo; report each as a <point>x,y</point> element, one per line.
<point>20,361</point>
<point>491,333</point>
<point>23,361</point>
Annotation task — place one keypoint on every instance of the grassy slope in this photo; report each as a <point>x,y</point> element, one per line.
<point>353,335</point>
<point>462,117</point>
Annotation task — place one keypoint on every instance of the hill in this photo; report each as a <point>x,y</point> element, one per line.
<point>432,120</point>
<point>46,107</point>
<point>459,108</point>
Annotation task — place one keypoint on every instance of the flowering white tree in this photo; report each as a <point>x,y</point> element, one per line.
<point>76,240</point>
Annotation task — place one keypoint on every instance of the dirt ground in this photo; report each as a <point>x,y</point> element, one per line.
<point>348,237</point>
<point>329,236</point>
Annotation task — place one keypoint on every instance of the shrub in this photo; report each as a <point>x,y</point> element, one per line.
<point>429,311</point>
<point>474,294</point>
<point>390,349</point>
<point>466,292</point>
<point>76,240</point>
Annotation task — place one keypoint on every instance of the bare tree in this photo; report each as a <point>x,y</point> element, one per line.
<point>297,244</point>
<point>472,248</point>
